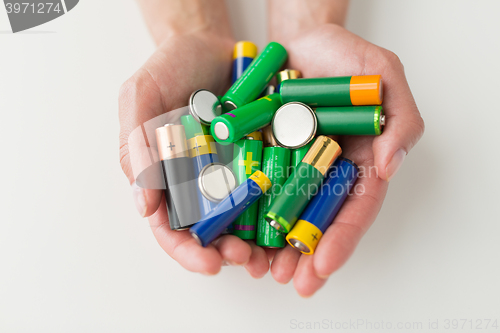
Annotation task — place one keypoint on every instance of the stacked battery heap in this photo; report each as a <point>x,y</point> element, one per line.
<point>265,168</point>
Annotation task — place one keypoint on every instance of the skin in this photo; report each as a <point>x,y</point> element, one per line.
<point>198,55</point>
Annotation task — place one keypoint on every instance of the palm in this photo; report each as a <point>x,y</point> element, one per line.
<point>184,64</point>
<point>179,67</point>
<point>337,52</point>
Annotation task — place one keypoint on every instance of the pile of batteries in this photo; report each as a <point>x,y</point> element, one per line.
<point>265,168</point>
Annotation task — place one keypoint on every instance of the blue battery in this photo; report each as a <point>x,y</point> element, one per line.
<point>243,55</point>
<point>213,224</point>
<point>203,151</point>
<point>323,208</point>
<point>200,161</point>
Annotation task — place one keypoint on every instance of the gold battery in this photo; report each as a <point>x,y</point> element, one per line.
<point>322,153</point>
<point>257,135</point>
<point>287,74</point>
<point>178,172</point>
<point>172,143</point>
<point>268,137</point>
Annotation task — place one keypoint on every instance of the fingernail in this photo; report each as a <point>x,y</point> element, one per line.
<point>322,277</point>
<point>243,263</point>
<point>283,283</point>
<point>139,199</point>
<point>225,263</point>
<point>234,263</point>
<point>396,163</point>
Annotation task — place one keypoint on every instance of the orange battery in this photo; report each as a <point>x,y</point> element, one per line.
<point>333,91</point>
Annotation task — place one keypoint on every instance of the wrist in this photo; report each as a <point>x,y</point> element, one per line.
<point>291,18</point>
<point>209,37</point>
<point>170,18</point>
<point>203,31</point>
<point>291,40</point>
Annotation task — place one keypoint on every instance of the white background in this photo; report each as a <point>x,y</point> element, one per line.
<point>76,257</point>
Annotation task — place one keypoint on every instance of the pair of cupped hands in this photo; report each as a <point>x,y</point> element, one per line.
<point>183,64</point>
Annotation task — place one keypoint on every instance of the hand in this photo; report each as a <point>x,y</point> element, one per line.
<point>330,50</point>
<point>181,65</point>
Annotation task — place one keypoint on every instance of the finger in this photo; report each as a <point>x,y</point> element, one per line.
<point>258,265</point>
<point>146,200</point>
<point>305,280</point>
<point>139,103</point>
<point>355,217</point>
<point>233,250</point>
<point>284,264</point>
<point>163,84</point>
<point>271,252</point>
<point>404,125</point>
<point>182,247</point>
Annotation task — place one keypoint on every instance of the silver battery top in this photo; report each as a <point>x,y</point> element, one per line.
<point>294,125</point>
<point>221,131</point>
<point>270,89</point>
<point>204,106</point>
<point>216,181</point>
<point>382,120</point>
<point>275,224</point>
<point>299,245</point>
<point>230,105</point>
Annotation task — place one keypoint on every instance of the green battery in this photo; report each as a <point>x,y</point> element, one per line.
<point>193,128</point>
<point>298,154</point>
<point>256,77</point>
<point>247,160</point>
<point>225,154</point>
<point>236,124</point>
<point>225,151</point>
<point>334,91</point>
<point>350,120</point>
<point>303,184</point>
<point>275,164</point>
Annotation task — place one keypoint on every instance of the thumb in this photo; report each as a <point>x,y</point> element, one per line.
<point>139,106</point>
<point>404,125</point>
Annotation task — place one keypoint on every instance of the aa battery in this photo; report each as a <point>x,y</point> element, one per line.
<point>179,176</point>
<point>203,152</point>
<point>303,184</point>
<point>275,164</point>
<point>225,153</point>
<point>298,154</point>
<point>243,197</point>
<point>247,160</point>
<point>334,91</point>
<point>243,55</point>
<point>350,120</point>
<point>286,74</point>
<point>257,135</point>
<point>269,90</point>
<point>236,124</point>
<point>255,78</point>
<point>323,208</point>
